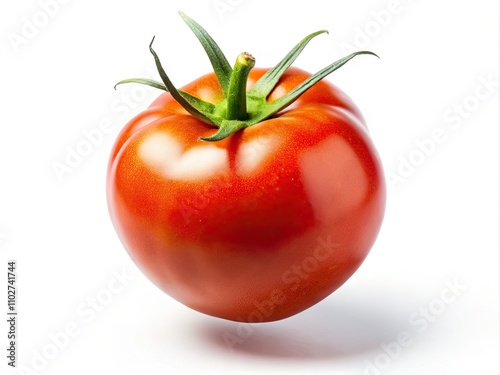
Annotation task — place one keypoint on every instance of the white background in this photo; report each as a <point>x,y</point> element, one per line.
<point>441,224</point>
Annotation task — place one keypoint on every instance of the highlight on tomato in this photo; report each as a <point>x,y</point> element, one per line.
<point>249,194</point>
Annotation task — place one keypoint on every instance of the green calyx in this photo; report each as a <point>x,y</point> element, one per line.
<point>239,108</point>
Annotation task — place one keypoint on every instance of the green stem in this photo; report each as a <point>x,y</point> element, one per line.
<point>237,91</point>
<point>239,108</point>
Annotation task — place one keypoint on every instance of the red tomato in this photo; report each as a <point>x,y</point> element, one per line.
<point>260,225</point>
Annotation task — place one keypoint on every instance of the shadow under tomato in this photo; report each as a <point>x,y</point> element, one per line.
<point>334,328</point>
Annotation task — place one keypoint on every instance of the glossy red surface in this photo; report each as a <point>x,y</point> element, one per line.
<point>256,227</point>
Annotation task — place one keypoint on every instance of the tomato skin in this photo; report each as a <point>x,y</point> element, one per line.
<point>258,226</point>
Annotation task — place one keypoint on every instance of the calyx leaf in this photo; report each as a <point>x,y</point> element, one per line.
<point>220,65</point>
<point>231,114</point>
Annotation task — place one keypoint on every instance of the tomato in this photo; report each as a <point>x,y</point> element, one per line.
<point>256,226</point>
